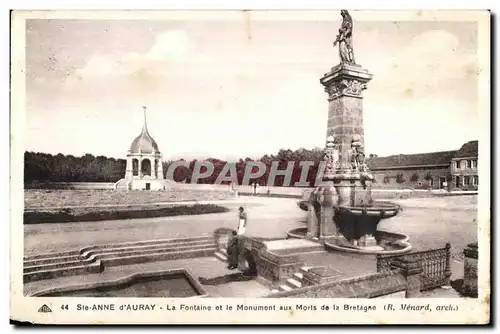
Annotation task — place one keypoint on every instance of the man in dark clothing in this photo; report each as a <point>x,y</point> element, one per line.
<point>232,252</point>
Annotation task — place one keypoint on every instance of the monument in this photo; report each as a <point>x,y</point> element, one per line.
<point>144,169</point>
<point>341,212</point>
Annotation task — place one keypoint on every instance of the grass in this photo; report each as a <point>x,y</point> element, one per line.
<point>36,199</point>
<point>94,214</point>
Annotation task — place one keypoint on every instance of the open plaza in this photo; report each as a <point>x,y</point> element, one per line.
<point>358,233</point>
<point>429,221</point>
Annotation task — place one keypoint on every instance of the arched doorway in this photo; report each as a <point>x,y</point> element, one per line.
<point>135,167</point>
<point>146,167</point>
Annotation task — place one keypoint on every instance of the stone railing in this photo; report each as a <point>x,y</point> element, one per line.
<point>471,256</point>
<point>435,264</point>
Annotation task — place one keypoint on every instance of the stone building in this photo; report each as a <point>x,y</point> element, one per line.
<point>464,167</point>
<point>144,164</point>
<point>435,170</point>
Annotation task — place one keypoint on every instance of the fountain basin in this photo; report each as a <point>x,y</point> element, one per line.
<point>390,243</point>
<point>173,283</point>
<point>356,230</point>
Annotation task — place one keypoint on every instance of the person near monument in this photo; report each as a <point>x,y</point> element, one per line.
<point>232,251</point>
<point>242,219</point>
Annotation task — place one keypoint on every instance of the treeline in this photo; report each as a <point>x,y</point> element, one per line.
<point>42,167</point>
<point>282,159</point>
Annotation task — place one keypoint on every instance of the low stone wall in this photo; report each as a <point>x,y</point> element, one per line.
<point>72,185</point>
<point>128,280</point>
<point>367,286</point>
<point>377,193</point>
<point>272,269</point>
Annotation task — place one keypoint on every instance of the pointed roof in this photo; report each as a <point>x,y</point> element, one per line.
<point>144,143</point>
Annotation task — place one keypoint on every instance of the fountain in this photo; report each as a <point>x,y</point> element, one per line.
<point>341,211</point>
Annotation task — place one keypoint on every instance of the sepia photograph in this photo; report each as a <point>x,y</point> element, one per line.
<point>319,155</point>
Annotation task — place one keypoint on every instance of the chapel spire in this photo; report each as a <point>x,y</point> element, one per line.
<point>145,126</point>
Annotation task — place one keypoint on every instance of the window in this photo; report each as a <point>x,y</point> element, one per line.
<point>457,181</point>
<point>475,180</point>
<point>431,182</point>
<point>463,164</point>
<point>457,164</point>
<point>473,163</point>
<point>469,163</point>
<point>466,180</point>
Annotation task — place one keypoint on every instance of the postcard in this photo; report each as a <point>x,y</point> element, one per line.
<point>250,167</point>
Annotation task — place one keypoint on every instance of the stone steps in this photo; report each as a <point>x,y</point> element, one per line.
<point>221,255</point>
<point>90,257</point>
<point>117,245</point>
<point>293,283</point>
<point>130,250</point>
<point>298,276</point>
<point>94,259</point>
<point>285,287</point>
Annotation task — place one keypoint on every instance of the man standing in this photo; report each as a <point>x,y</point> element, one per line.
<point>242,221</point>
<point>232,252</point>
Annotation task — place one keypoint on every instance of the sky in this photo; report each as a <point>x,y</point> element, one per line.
<point>243,88</point>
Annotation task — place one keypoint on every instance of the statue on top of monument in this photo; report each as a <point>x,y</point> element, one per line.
<point>344,39</point>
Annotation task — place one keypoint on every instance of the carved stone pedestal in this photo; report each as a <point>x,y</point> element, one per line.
<point>344,85</point>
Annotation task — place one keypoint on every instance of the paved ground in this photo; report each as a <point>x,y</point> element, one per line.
<point>430,222</point>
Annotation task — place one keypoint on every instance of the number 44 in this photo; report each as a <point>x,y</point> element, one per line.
<point>64,307</point>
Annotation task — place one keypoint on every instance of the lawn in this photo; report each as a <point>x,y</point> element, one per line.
<point>36,199</point>
<point>117,213</point>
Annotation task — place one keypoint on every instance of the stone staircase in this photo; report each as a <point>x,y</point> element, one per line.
<point>294,282</point>
<point>93,259</point>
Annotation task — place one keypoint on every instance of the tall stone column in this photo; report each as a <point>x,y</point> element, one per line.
<point>345,84</point>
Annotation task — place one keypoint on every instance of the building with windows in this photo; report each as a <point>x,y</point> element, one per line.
<point>453,170</point>
<point>464,167</point>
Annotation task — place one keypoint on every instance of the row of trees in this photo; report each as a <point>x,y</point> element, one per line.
<point>42,167</point>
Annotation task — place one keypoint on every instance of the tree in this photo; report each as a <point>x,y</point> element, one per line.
<point>400,178</point>
<point>414,178</point>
